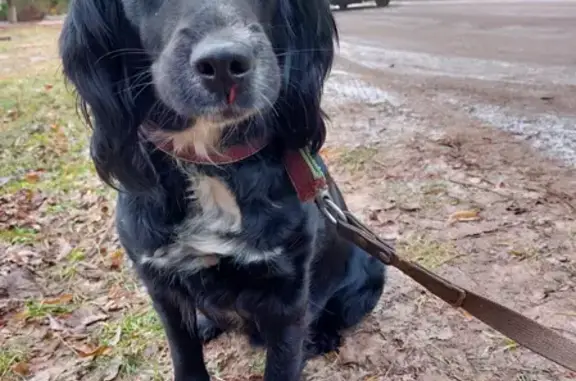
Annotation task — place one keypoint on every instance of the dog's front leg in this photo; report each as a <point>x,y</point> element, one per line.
<point>284,359</point>
<point>185,345</point>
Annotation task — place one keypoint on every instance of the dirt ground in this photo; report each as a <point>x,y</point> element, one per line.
<point>438,109</point>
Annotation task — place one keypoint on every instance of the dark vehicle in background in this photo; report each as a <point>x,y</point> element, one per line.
<point>343,4</point>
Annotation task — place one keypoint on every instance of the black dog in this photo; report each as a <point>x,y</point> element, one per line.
<point>220,244</point>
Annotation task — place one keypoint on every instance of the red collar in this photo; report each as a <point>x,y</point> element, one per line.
<point>230,155</point>
<point>305,174</point>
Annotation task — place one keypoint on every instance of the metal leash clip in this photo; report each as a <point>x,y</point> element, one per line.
<point>329,208</point>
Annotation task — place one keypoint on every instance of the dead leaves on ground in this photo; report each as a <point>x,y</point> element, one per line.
<point>464,216</point>
<point>21,368</point>
<point>116,259</point>
<point>62,299</point>
<point>91,351</point>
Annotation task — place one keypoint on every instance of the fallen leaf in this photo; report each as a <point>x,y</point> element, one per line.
<point>55,325</point>
<point>65,249</point>
<point>464,216</point>
<point>62,299</point>
<point>12,114</point>
<point>48,86</point>
<point>409,207</point>
<point>88,351</point>
<point>22,368</point>
<point>93,319</point>
<point>329,153</point>
<point>112,370</point>
<point>517,253</point>
<point>117,258</point>
<point>33,176</point>
<point>467,314</point>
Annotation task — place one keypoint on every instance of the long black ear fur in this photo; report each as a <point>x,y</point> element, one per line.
<point>103,58</point>
<point>303,34</point>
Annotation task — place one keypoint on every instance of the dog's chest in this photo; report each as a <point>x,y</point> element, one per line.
<point>211,230</point>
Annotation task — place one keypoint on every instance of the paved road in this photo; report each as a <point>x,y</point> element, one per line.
<point>510,63</point>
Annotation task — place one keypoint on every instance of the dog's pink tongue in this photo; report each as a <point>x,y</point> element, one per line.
<point>232,95</point>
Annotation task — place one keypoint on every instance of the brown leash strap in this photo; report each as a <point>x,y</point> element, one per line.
<point>309,181</point>
<point>542,340</point>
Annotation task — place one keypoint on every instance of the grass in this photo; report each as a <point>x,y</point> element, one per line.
<point>44,150</point>
<point>37,309</point>
<point>43,142</point>
<point>18,235</point>
<point>427,252</point>
<point>8,358</point>
<point>258,363</point>
<point>357,159</point>
<point>134,338</point>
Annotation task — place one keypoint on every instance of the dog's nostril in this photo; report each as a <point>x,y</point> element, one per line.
<point>239,67</point>
<point>222,64</point>
<point>206,68</point>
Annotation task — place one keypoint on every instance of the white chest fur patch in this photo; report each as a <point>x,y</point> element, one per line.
<point>207,234</point>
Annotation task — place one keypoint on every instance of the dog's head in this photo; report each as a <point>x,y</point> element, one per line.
<point>194,69</point>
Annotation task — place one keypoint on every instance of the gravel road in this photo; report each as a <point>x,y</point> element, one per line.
<point>510,64</point>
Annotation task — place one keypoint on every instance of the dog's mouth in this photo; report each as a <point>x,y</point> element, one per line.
<point>226,116</point>
<point>206,135</point>
<point>222,77</point>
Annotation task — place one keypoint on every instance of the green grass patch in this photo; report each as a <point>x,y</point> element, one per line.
<point>132,338</point>
<point>18,235</point>
<point>427,252</point>
<point>35,309</point>
<point>357,159</point>
<point>43,143</point>
<point>69,268</point>
<point>258,364</point>
<point>8,358</point>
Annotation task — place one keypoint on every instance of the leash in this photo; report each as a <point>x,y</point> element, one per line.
<point>526,332</point>
<point>311,184</point>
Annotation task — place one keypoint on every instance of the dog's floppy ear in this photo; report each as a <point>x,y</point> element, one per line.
<point>103,58</point>
<point>305,49</point>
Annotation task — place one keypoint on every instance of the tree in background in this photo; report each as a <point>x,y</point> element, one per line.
<point>12,15</point>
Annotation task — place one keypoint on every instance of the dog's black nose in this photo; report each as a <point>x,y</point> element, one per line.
<point>222,64</point>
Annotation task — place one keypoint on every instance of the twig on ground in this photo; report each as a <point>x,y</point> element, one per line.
<point>478,186</point>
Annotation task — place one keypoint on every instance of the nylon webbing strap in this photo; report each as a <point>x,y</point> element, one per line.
<point>307,176</point>
<point>526,332</point>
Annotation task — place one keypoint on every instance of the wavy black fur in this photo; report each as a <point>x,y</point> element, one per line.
<point>295,303</point>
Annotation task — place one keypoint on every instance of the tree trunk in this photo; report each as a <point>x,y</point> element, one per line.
<point>12,12</point>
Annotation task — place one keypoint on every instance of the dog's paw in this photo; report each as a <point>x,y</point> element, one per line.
<point>206,329</point>
<point>321,343</point>
<point>256,339</point>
